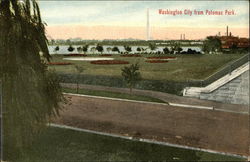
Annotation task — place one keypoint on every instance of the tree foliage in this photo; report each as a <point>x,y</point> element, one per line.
<point>131,75</point>
<point>212,45</point>
<point>138,49</point>
<point>166,50</point>
<point>71,49</point>
<point>31,93</point>
<point>93,49</point>
<point>56,49</point>
<point>85,48</point>
<point>79,49</point>
<point>115,49</point>
<point>152,46</point>
<point>175,47</point>
<point>99,48</point>
<point>128,49</point>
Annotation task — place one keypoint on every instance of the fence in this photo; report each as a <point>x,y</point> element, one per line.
<point>222,72</point>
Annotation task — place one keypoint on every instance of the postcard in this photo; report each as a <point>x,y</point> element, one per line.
<point>124,80</point>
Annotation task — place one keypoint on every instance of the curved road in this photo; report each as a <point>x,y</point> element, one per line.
<point>215,130</point>
<point>168,97</point>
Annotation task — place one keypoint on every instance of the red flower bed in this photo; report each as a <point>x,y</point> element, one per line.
<point>156,61</point>
<point>75,54</point>
<point>131,55</point>
<point>106,55</point>
<point>109,62</point>
<point>162,57</point>
<point>59,63</point>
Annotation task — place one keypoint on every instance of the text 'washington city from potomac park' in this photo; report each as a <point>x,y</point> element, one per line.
<point>195,12</point>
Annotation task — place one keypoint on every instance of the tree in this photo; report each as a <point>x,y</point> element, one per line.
<point>179,49</point>
<point>144,50</point>
<point>109,49</point>
<point>211,45</point>
<point>79,49</point>
<point>85,48</point>
<point>131,75</point>
<point>31,92</point>
<point>79,70</point>
<point>166,50</point>
<point>99,48</point>
<point>128,49</point>
<point>175,47</point>
<point>57,49</point>
<point>93,49</point>
<point>115,49</point>
<point>152,46</point>
<point>71,49</point>
<point>138,49</point>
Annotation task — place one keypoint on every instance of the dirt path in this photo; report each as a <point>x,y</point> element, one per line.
<point>168,97</point>
<point>216,130</point>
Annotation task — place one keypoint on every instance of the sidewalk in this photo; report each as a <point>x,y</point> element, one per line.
<point>170,98</point>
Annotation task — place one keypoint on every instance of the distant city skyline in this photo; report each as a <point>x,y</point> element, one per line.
<point>128,19</point>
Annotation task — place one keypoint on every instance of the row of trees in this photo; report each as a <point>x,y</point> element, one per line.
<point>174,49</point>
<point>211,45</point>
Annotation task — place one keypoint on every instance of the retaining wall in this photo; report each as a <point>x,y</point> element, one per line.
<point>235,91</point>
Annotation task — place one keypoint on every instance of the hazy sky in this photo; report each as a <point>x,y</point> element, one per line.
<point>127,19</point>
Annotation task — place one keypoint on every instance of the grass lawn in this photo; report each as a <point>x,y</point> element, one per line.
<point>63,145</point>
<point>186,67</point>
<point>113,95</point>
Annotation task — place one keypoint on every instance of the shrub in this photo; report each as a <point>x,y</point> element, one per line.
<point>172,87</point>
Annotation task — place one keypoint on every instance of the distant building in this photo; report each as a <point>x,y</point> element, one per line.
<point>228,41</point>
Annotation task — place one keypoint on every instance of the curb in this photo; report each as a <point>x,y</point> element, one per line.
<point>135,101</point>
<point>192,106</point>
<point>146,140</point>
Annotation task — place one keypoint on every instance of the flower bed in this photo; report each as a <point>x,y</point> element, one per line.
<point>156,61</point>
<point>162,57</point>
<point>75,54</point>
<point>109,62</point>
<point>131,55</point>
<point>106,55</point>
<point>59,63</point>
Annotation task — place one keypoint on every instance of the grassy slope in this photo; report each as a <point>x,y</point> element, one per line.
<point>184,68</point>
<point>113,95</point>
<point>61,145</point>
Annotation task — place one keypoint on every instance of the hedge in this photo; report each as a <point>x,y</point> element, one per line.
<point>172,87</point>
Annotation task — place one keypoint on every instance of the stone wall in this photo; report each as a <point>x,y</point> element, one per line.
<point>235,91</point>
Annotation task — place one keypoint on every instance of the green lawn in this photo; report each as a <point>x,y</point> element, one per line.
<point>63,145</point>
<point>113,95</point>
<point>186,67</point>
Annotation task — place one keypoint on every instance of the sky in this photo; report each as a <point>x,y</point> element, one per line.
<point>127,19</point>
